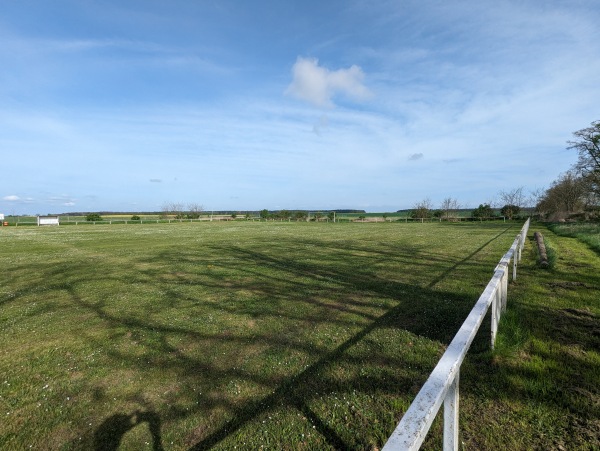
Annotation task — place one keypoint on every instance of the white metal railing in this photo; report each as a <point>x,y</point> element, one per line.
<point>442,385</point>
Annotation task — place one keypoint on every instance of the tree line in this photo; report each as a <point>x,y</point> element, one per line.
<point>575,194</point>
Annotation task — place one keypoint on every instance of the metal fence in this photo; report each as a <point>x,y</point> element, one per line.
<point>442,385</point>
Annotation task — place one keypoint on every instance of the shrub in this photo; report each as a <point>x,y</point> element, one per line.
<point>135,218</point>
<point>510,211</point>
<point>484,211</point>
<point>93,217</point>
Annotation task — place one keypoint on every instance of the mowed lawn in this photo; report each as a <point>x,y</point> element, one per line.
<point>192,336</point>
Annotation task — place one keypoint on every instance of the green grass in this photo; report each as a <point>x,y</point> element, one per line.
<point>282,335</point>
<point>588,233</point>
<point>540,389</point>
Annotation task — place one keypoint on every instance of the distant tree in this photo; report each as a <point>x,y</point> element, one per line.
<point>484,211</point>
<point>174,209</point>
<point>135,218</point>
<point>587,144</point>
<point>362,217</point>
<point>515,196</point>
<point>535,197</point>
<point>285,215</point>
<point>567,195</point>
<point>194,210</point>
<point>331,216</point>
<point>449,208</point>
<point>318,216</point>
<point>510,211</point>
<point>300,216</point>
<point>264,214</point>
<point>422,210</point>
<point>248,216</point>
<point>93,217</point>
<point>233,215</point>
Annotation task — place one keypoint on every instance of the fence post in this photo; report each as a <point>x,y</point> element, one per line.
<point>451,415</point>
<point>504,291</point>
<point>495,302</point>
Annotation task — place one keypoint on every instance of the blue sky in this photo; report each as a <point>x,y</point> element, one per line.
<point>245,105</point>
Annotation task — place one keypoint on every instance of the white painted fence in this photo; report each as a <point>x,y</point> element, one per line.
<point>442,385</point>
<point>47,220</point>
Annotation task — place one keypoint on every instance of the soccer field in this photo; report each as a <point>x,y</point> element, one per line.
<point>286,335</point>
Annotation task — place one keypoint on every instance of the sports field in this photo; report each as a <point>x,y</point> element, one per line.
<point>198,335</point>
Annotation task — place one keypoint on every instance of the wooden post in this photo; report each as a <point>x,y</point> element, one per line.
<point>451,416</point>
<point>541,248</point>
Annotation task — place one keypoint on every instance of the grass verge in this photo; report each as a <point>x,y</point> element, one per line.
<point>540,388</point>
<point>588,232</point>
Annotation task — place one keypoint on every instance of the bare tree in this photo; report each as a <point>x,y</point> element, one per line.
<point>587,144</point>
<point>515,196</point>
<point>195,210</point>
<point>535,198</point>
<point>513,201</point>
<point>449,208</point>
<point>172,208</point>
<point>422,209</point>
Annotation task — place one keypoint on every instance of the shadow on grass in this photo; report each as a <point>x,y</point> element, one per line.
<point>542,385</point>
<point>283,299</point>
<point>109,434</point>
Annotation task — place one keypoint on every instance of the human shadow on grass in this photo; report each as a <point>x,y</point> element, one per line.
<point>109,434</point>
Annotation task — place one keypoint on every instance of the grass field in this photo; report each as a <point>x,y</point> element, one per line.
<point>281,335</point>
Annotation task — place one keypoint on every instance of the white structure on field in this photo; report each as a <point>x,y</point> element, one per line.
<point>47,220</point>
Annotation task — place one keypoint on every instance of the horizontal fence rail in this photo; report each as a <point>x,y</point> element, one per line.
<point>442,385</point>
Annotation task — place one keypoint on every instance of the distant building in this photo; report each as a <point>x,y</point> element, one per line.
<point>47,220</point>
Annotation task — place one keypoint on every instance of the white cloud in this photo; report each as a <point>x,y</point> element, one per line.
<point>11,198</point>
<point>318,85</point>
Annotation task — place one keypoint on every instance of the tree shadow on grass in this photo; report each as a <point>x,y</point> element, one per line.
<point>543,382</point>
<point>294,292</point>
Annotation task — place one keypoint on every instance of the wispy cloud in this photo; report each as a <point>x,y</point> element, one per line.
<point>428,99</point>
